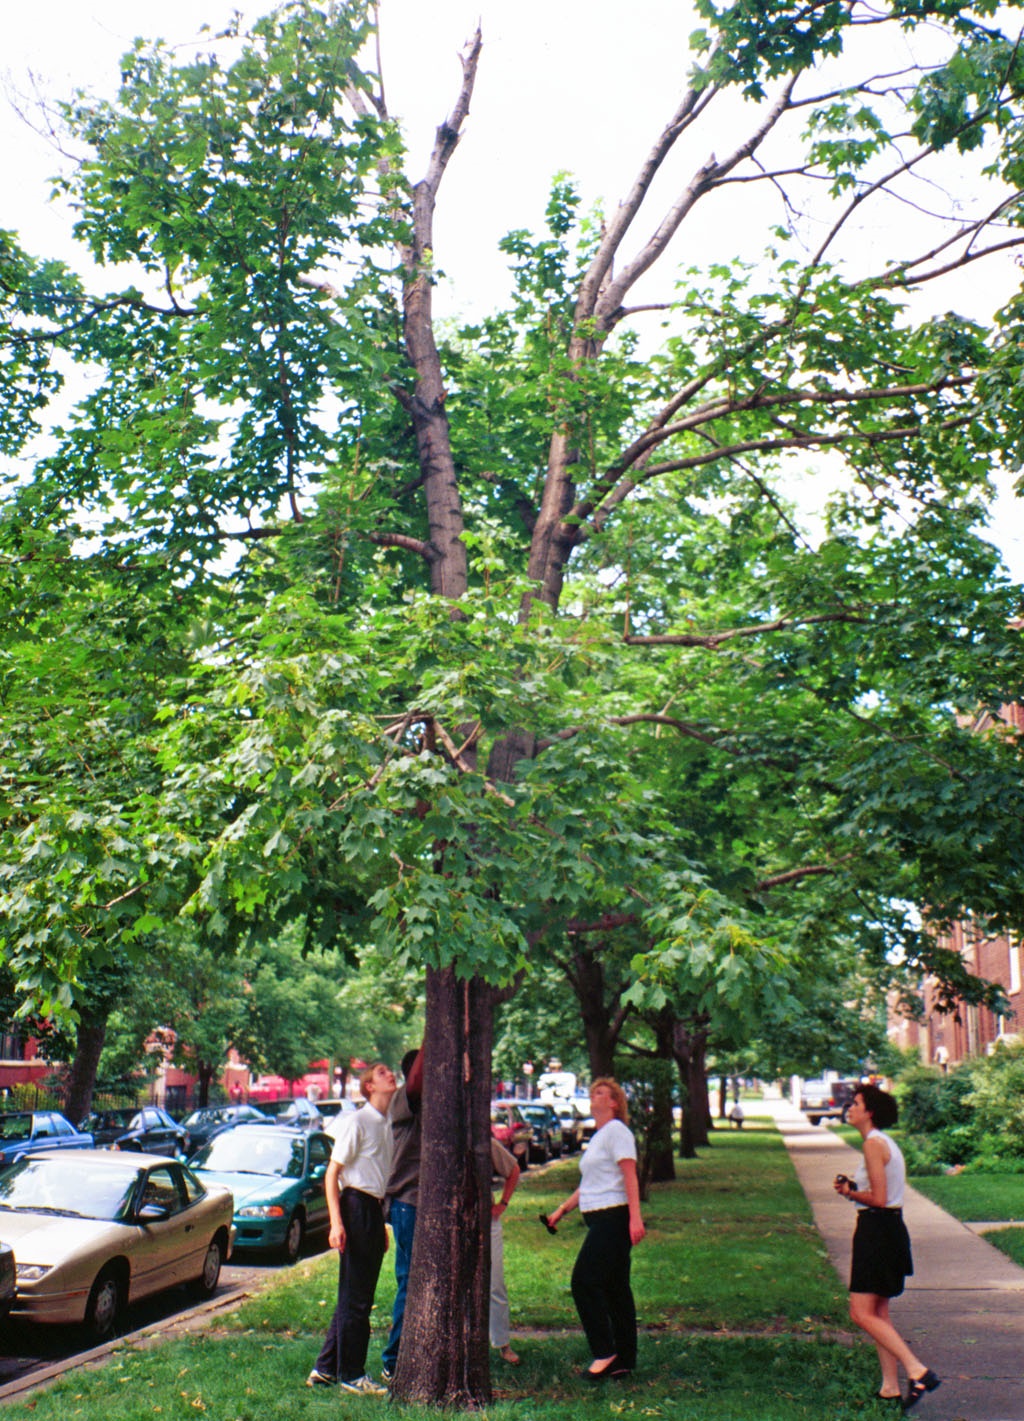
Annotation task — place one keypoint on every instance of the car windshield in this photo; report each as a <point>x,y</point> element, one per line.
<point>537,1113</point>
<point>15,1127</point>
<point>48,1185</point>
<point>245,1151</point>
<point>206,1117</point>
<point>108,1120</point>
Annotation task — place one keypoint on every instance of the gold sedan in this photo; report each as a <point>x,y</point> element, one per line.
<point>96,1231</point>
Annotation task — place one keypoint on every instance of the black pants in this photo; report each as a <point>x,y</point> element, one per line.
<point>343,1354</point>
<point>600,1285</point>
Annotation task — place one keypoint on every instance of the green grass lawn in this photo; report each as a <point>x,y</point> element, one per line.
<point>743,1320</point>
<point>976,1197</point>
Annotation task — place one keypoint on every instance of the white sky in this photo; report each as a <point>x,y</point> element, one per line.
<point>583,85</point>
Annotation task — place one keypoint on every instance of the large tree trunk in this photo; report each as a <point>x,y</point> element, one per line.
<point>92,1033</point>
<point>697,1080</point>
<point>204,1079</point>
<point>689,1050</point>
<point>598,1015</point>
<point>444,1357</point>
<point>662,1166</point>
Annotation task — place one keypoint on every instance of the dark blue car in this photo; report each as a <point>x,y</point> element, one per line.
<point>30,1132</point>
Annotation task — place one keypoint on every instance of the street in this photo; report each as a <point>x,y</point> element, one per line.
<point>29,1351</point>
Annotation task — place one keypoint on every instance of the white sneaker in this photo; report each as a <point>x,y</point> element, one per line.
<point>364,1386</point>
<point>316,1378</point>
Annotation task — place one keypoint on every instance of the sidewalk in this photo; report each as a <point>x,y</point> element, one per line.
<point>963,1310</point>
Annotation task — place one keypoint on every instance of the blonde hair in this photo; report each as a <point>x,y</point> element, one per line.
<point>366,1079</point>
<point>618,1094</point>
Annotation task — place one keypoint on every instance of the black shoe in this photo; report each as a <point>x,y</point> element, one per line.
<point>917,1386</point>
<point>885,1396</point>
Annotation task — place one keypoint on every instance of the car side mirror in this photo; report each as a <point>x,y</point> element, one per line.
<point>153,1213</point>
<point>318,1172</point>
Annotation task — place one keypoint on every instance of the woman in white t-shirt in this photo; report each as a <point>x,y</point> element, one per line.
<point>609,1200</point>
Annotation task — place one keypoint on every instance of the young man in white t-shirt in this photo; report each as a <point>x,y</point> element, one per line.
<point>356,1179</point>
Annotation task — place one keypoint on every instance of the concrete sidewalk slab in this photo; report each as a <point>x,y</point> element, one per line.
<point>963,1310</point>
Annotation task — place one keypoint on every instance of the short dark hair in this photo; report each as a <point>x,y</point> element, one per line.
<point>880,1105</point>
<point>408,1059</point>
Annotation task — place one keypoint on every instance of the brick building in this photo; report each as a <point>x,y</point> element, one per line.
<point>945,1039</point>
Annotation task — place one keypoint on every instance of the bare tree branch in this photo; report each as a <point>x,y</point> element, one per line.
<point>707,176</point>
<point>794,875</point>
<point>427,551</point>
<point>713,639</point>
<point>575,927</point>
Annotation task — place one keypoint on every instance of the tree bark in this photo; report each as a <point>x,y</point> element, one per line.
<point>700,1104</point>
<point>92,1033</point>
<point>204,1078</point>
<point>662,1164</point>
<point>689,1050</point>
<point>444,1358</point>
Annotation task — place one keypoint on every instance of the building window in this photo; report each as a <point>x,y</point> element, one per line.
<point>1014,966</point>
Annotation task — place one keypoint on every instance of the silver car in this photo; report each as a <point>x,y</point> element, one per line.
<point>7,1279</point>
<point>108,1229</point>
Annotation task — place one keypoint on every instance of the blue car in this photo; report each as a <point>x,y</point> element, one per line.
<point>276,1173</point>
<point>30,1132</point>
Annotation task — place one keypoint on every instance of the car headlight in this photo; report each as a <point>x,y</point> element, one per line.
<point>260,1211</point>
<point>32,1272</point>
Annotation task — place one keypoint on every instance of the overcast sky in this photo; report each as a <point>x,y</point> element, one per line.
<point>582,85</point>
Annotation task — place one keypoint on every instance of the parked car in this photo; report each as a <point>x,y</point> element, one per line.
<point>587,1124</point>
<point>34,1131</point>
<point>510,1128</point>
<point>208,1121</point>
<point>827,1100</point>
<point>8,1281</point>
<point>336,1106</point>
<point>571,1118</point>
<point>333,1111</point>
<point>115,1228</point>
<point>545,1128</point>
<point>148,1128</point>
<point>276,1175</point>
<point>301,1112</point>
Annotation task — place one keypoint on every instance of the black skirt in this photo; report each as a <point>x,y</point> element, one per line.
<point>881,1253</point>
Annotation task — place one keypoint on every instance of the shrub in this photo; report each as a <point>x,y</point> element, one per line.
<point>930,1100</point>
<point>996,1098</point>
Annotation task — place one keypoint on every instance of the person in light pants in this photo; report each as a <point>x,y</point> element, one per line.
<point>507,1171</point>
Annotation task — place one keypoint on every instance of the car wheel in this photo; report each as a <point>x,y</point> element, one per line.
<point>844,1114</point>
<point>292,1246</point>
<point>814,1119</point>
<point>104,1306</point>
<point>206,1284</point>
<point>544,1152</point>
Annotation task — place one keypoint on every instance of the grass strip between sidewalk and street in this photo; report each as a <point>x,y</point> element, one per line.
<point>742,1318</point>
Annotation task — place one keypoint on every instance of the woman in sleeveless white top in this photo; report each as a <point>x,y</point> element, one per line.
<point>881,1247</point>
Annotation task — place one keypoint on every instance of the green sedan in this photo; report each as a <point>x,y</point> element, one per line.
<point>276,1175</point>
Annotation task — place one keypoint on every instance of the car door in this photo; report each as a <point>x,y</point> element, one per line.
<point>161,1131</point>
<point>319,1154</point>
<point>168,1244</point>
